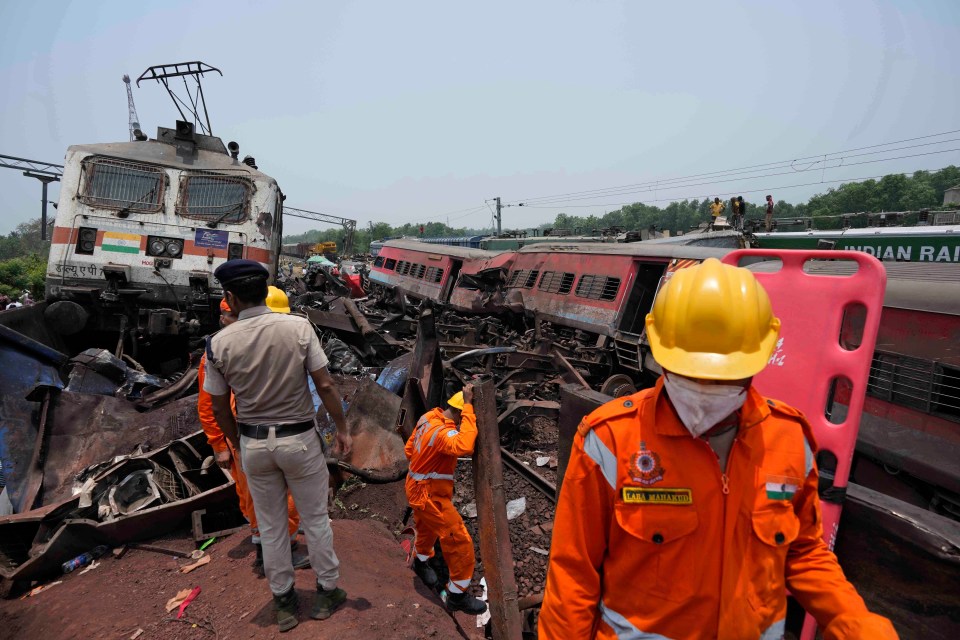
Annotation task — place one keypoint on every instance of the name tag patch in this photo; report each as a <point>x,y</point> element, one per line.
<point>661,495</point>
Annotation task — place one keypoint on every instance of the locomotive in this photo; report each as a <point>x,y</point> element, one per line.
<point>141,226</point>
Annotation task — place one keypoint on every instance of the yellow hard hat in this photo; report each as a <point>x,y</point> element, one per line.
<point>277,300</point>
<point>456,401</point>
<point>712,321</point>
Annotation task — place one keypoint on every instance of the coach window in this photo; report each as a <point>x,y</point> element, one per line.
<point>596,287</point>
<point>215,198</point>
<point>116,184</point>
<point>378,262</point>
<point>557,282</point>
<point>390,264</point>
<point>434,275</point>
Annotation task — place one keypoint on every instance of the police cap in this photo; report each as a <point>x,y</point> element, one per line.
<point>236,269</point>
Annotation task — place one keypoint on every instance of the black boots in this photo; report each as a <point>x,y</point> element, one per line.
<point>286,607</point>
<point>426,573</point>
<point>325,602</point>
<point>466,603</point>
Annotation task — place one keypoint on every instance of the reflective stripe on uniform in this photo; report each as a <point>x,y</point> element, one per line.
<point>421,429</point>
<point>594,447</point>
<point>623,628</point>
<point>775,631</point>
<point>807,458</point>
<point>433,475</point>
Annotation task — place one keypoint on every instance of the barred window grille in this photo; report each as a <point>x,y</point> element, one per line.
<point>556,282</point>
<point>119,184</point>
<point>434,275</point>
<point>525,278</point>
<point>221,198</point>
<point>597,287</point>
<point>925,385</point>
<point>417,271</point>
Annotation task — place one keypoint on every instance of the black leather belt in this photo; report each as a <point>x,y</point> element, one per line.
<point>261,431</point>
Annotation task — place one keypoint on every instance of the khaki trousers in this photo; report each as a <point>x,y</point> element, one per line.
<point>273,465</point>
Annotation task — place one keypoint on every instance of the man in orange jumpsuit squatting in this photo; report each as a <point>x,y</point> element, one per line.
<point>227,458</point>
<point>441,436</point>
<point>688,510</point>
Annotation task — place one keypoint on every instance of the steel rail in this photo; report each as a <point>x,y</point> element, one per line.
<point>536,480</point>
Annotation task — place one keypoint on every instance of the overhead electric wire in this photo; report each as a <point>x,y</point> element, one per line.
<point>660,187</point>
<point>666,182</point>
<point>730,193</point>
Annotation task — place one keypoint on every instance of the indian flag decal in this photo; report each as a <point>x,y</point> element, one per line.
<point>781,487</point>
<point>121,242</point>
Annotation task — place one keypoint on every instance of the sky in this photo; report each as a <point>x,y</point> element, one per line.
<point>422,111</point>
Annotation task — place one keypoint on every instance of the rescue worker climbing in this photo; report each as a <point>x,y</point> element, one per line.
<point>441,436</point>
<point>226,457</point>
<point>687,510</point>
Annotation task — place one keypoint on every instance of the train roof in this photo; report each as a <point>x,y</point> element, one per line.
<point>637,249</point>
<point>426,247</point>
<point>922,286</point>
<point>164,154</point>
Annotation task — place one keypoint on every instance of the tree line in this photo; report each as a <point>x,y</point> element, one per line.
<point>895,192</point>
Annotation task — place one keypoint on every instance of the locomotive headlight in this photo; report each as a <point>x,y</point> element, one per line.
<point>175,248</point>
<point>87,240</point>
<point>157,247</point>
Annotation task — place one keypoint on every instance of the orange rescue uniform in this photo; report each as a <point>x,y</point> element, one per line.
<point>653,539</point>
<point>433,449</point>
<point>220,443</point>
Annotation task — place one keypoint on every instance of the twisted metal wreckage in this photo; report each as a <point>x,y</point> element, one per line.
<point>97,451</point>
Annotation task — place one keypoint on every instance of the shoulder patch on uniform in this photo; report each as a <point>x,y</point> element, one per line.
<point>620,407</point>
<point>785,409</point>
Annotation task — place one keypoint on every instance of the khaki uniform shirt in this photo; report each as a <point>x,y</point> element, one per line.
<point>264,357</point>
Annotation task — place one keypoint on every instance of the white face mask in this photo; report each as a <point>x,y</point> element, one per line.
<point>702,406</point>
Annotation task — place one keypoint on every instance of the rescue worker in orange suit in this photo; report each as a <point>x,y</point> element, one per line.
<point>227,458</point>
<point>687,510</point>
<point>441,436</point>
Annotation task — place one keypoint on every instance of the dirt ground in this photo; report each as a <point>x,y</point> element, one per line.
<point>124,595</point>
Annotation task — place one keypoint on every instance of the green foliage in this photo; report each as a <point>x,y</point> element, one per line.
<point>23,260</point>
<point>20,274</point>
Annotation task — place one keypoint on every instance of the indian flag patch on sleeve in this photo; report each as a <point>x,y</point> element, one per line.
<point>121,242</point>
<point>781,487</point>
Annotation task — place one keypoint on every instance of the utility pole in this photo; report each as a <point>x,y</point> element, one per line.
<point>499,223</point>
<point>45,172</point>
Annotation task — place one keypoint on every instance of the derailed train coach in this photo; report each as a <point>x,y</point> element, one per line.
<point>589,298</point>
<point>141,226</point>
<point>439,273</point>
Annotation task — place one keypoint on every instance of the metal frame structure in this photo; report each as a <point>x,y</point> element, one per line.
<point>45,172</point>
<point>349,226</point>
<point>163,72</point>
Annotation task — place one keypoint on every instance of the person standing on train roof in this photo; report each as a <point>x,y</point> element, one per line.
<point>768,220</point>
<point>274,430</point>
<point>689,509</point>
<point>226,457</point>
<point>441,436</point>
<point>741,213</point>
<point>716,208</point>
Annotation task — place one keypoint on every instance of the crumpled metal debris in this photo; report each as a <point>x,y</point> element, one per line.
<point>97,371</point>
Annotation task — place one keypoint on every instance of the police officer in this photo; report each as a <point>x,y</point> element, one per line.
<point>689,509</point>
<point>263,358</point>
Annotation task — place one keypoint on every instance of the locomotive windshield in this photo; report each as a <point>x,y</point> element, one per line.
<point>117,184</point>
<point>214,198</point>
